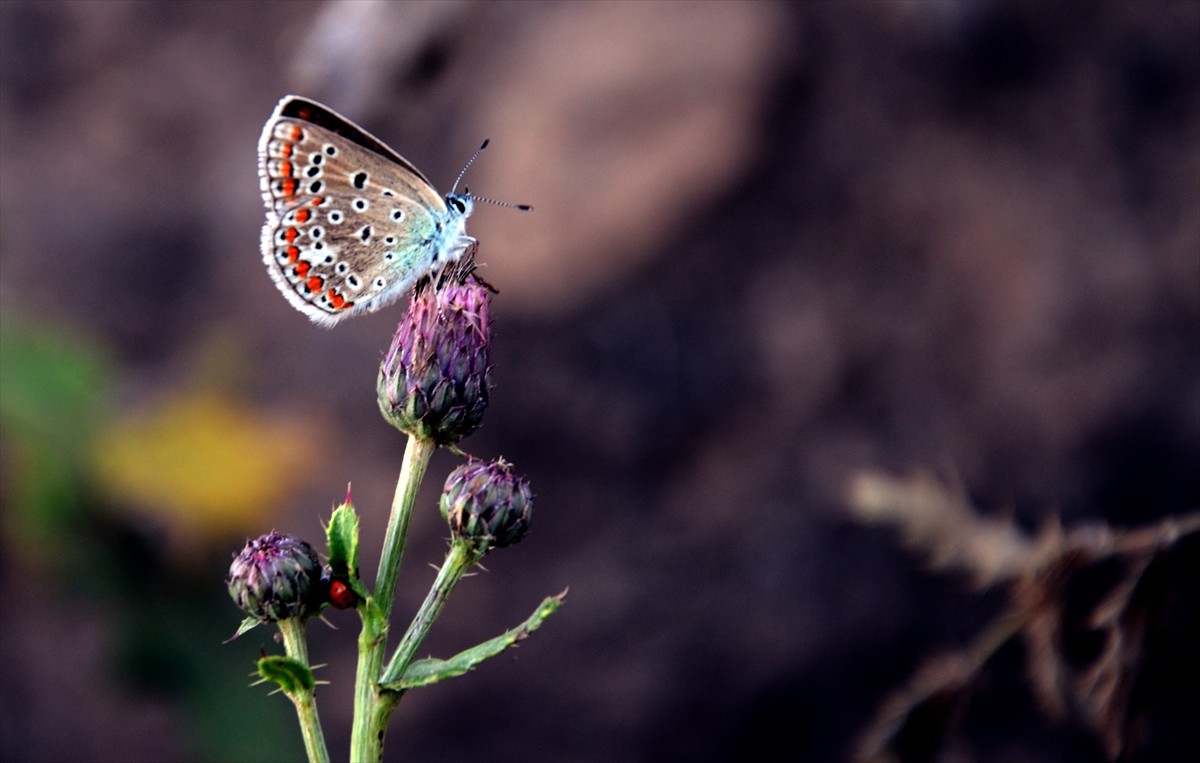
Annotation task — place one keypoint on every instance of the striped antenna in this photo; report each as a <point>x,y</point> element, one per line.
<point>470,161</point>
<point>486,200</point>
<point>510,205</point>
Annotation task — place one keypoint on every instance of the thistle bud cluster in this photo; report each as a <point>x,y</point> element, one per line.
<point>433,384</point>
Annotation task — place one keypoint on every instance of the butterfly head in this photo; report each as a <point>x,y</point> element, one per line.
<point>460,204</point>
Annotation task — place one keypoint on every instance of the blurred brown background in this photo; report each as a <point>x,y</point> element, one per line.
<point>772,244</point>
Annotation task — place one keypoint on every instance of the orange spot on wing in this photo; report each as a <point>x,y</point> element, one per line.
<point>302,269</point>
<point>297,133</point>
<point>336,299</point>
<point>293,252</point>
<point>290,234</point>
<point>289,188</point>
<point>302,215</point>
<point>287,150</point>
<point>315,283</point>
<point>286,168</point>
<point>318,201</point>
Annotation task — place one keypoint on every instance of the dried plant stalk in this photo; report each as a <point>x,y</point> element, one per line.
<point>1109,619</point>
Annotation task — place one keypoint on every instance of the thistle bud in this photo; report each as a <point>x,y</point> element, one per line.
<point>275,577</point>
<point>486,504</point>
<point>434,380</point>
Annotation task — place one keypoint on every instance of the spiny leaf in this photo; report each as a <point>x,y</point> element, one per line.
<point>342,536</point>
<point>246,625</point>
<point>292,675</point>
<point>431,671</point>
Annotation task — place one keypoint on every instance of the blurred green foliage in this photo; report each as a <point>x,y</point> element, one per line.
<point>81,478</point>
<point>54,393</point>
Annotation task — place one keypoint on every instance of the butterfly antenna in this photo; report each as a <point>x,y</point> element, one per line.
<point>470,161</point>
<point>486,200</point>
<point>467,191</point>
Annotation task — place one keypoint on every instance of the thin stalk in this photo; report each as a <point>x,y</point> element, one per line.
<point>412,470</point>
<point>459,559</point>
<point>370,704</point>
<point>304,700</point>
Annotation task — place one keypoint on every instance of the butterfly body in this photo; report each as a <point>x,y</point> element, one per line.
<point>351,225</point>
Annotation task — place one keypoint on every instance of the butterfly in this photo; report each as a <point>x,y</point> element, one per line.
<point>351,225</point>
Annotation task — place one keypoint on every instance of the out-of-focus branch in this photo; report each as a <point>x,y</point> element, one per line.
<point>1108,618</point>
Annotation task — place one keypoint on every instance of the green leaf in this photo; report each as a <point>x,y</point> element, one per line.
<point>342,536</point>
<point>247,624</point>
<point>292,675</point>
<point>431,671</point>
<point>359,588</point>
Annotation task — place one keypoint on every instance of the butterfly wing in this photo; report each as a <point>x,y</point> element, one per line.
<point>351,225</point>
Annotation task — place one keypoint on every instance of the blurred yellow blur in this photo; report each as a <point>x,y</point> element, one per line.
<point>203,463</point>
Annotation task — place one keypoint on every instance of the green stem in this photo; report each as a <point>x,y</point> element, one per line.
<point>366,746</point>
<point>304,699</point>
<point>371,705</point>
<point>412,470</point>
<point>459,559</point>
